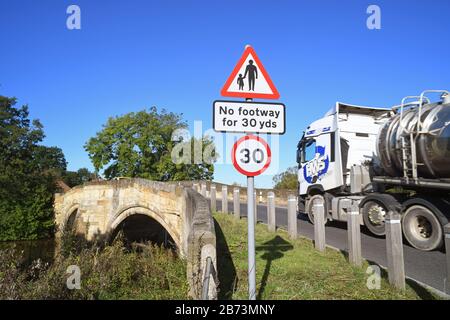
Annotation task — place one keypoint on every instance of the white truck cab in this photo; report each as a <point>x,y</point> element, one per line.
<point>344,137</point>
<point>381,160</point>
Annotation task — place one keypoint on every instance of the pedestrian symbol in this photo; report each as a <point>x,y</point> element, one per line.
<point>249,79</point>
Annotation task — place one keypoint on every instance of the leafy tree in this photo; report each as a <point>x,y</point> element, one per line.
<point>26,187</point>
<point>75,178</point>
<point>287,179</point>
<point>139,144</point>
<point>50,160</point>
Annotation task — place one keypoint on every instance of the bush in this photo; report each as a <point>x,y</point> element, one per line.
<point>110,273</point>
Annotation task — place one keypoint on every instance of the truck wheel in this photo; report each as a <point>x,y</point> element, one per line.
<point>374,214</point>
<point>422,228</point>
<point>310,206</point>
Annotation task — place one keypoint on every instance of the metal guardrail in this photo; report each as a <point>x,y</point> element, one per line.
<point>210,270</point>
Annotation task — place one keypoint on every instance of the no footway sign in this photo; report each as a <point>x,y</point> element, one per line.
<point>251,117</point>
<point>250,79</point>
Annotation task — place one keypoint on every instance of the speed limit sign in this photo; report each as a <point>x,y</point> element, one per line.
<point>251,155</point>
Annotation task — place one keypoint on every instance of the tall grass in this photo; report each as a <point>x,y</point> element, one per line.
<point>111,272</point>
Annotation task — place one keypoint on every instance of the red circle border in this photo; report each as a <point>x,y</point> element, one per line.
<point>233,155</point>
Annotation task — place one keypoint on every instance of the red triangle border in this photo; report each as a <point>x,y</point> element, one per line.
<point>224,92</point>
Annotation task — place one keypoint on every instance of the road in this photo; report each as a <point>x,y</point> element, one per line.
<point>426,267</point>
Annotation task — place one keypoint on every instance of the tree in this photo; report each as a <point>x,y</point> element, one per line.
<point>140,144</point>
<point>75,178</point>
<point>287,179</point>
<point>50,160</point>
<point>26,187</point>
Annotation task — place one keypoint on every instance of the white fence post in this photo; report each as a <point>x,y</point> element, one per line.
<point>212,193</point>
<point>292,216</point>
<point>394,250</point>
<point>354,236</point>
<point>447,249</point>
<point>236,203</point>
<point>225,199</point>
<point>319,224</point>
<point>203,189</point>
<point>255,207</point>
<point>271,211</point>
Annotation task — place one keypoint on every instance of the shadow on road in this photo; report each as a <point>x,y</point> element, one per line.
<point>225,266</point>
<point>273,249</point>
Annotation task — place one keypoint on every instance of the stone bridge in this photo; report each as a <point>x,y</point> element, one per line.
<point>98,210</point>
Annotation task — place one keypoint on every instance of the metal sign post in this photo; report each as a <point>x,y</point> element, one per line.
<point>251,154</point>
<point>251,240</point>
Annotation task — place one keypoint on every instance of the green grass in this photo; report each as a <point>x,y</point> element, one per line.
<point>293,269</point>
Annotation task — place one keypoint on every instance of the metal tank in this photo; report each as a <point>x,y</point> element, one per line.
<point>431,137</point>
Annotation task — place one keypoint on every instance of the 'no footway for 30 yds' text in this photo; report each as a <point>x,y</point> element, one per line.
<point>234,116</point>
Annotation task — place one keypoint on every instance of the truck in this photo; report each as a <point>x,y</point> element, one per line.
<point>381,160</point>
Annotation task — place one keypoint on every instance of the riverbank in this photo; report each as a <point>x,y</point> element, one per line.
<point>292,269</point>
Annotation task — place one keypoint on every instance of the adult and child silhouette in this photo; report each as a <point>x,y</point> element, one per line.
<point>252,72</point>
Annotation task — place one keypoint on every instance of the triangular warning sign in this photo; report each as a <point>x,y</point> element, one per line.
<point>249,79</point>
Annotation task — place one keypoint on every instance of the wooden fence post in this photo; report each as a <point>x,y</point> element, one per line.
<point>292,216</point>
<point>447,249</point>
<point>394,250</point>
<point>271,211</point>
<point>225,199</point>
<point>319,224</point>
<point>354,236</point>
<point>236,203</point>
<point>212,193</point>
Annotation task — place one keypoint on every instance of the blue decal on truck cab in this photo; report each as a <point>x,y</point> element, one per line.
<point>314,169</point>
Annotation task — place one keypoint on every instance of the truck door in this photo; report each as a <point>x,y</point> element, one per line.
<point>318,164</point>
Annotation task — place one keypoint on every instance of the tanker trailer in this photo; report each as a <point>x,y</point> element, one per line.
<point>381,159</point>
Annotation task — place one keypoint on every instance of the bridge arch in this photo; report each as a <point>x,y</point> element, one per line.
<point>70,217</point>
<point>100,207</point>
<point>142,210</point>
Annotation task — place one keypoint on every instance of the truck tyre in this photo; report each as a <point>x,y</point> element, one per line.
<point>374,215</point>
<point>422,228</point>
<point>309,207</point>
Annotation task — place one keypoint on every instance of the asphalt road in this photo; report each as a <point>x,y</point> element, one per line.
<point>426,267</point>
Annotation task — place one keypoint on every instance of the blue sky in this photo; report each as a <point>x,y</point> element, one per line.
<point>178,54</point>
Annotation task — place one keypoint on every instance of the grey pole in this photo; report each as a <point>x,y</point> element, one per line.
<point>213,197</point>
<point>271,211</point>
<point>447,249</point>
<point>319,224</point>
<point>354,236</point>
<point>292,216</point>
<point>224,199</point>
<point>394,250</point>
<point>251,241</point>
<point>236,203</point>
